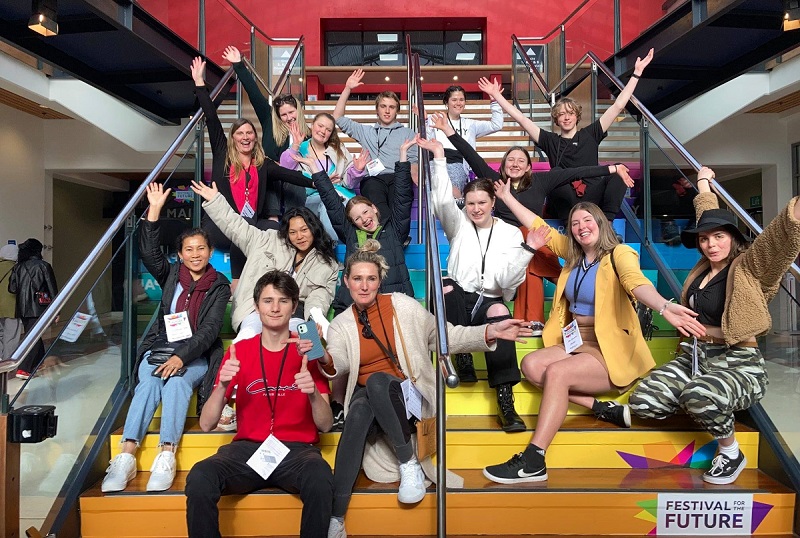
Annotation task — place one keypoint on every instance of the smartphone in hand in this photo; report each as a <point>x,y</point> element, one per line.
<point>308,331</point>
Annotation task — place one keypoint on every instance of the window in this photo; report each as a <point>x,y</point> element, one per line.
<point>388,48</point>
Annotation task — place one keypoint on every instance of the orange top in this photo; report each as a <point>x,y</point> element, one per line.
<point>373,359</point>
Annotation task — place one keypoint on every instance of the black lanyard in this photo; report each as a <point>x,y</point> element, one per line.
<point>272,405</point>
<point>385,138</point>
<point>327,157</point>
<point>576,284</point>
<point>459,131</point>
<point>483,254</point>
<point>363,318</point>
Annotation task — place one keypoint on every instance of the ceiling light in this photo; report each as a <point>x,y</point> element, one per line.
<point>389,57</point>
<point>44,19</point>
<point>455,77</point>
<point>386,79</point>
<point>471,37</point>
<point>387,38</point>
<point>465,56</point>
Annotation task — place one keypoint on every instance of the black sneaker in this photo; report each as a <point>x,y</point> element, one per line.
<point>465,368</point>
<point>515,471</point>
<point>615,413</point>
<point>338,416</point>
<point>725,470</point>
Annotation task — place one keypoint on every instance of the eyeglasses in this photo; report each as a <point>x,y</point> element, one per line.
<point>366,330</point>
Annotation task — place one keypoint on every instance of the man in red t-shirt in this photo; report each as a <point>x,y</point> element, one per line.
<point>278,395</point>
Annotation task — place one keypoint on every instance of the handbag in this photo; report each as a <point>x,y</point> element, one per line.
<point>160,351</point>
<point>43,298</point>
<point>643,312</point>
<point>426,428</point>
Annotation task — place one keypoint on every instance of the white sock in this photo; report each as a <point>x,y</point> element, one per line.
<point>731,451</point>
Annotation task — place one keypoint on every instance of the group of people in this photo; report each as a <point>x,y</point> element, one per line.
<point>282,221</point>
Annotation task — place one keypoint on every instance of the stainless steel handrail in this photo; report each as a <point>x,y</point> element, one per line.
<point>560,25</point>
<point>284,75</point>
<point>537,77</point>
<point>80,273</point>
<point>254,27</point>
<point>288,68</point>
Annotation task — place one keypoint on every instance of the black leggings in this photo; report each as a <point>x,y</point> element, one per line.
<point>36,354</point>
<point>378,405</point>
<point>501,364</point>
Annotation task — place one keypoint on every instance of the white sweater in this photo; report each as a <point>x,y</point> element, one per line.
<point>506,260</point>
<point>470,130</point>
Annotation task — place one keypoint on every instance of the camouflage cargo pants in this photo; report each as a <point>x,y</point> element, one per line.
<point>730,379</point>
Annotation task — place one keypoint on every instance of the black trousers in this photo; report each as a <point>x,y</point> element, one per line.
<point>501,364</point>
<point>36,354</point>
<point>380,191</point>
<point>220,241</point>
<point>303,471</point>
<point>376,407</point>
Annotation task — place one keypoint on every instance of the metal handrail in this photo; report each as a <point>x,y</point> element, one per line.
<point>288,68</point>
<point>560,25</point>
<point>80,273</point>
<point>537,77</point>
<point>254,27</point>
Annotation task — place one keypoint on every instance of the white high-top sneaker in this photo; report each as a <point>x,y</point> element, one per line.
<point>412,482</point>
<point>121,471</point>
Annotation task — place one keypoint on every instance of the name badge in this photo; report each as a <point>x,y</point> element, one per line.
<point>413,399</point>
<point>572,337</point>
<point>375,167</point>
<point>475,308</point>
<point>247,210</point>
<point>695,358</point>
<point>178,327</point>
<point>269,455</point>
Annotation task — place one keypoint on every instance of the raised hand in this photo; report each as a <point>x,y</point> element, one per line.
<point>206,192</point>
<point>303,379</point>
<point>492,89</point>
<point>441,122</point>
<point>360,162</point>
<point>502,189</point>
<point>297,136</point>
<point>312,164</point>
<point>432,145</point>
<point>198,69</point>
<point>354,80</point>
<point>513,330</point>
<point>157,196</point>
<point>623,172</point>
<point>641,63</point>
<point>229,369</point>
<point>404,149</point>
<point>538,238</point>
<point>232,54</point>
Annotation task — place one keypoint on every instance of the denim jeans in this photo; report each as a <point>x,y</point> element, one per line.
<point>314,203</point>
<point>303,472</point>
<point>174,393</point>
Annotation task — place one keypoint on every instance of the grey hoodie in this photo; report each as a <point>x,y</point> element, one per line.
<point>382,142</point>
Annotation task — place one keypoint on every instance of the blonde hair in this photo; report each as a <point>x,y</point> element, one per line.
<point>279,130</point>
<point>570,104</point>
<point>232,156</point>
<point>334,141</point>
<point>606,241</point>
<point>368,253</point>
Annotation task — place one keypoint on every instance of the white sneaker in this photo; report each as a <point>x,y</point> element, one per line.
<point>412,482</point>
<point>119,473</point>
<point>227,421</point>
<point>162,473</point>
<point>336,528</point>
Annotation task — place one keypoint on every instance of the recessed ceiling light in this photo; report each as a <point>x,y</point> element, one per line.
<point>387,38</point>
<point>386,79</point>
<point>465,56</point>
<point>455,77</point>
<point>471,37</point>
<point>389,57</point>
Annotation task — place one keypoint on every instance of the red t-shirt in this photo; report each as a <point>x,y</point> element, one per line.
<point>293,419</point>
<point>238,188</point>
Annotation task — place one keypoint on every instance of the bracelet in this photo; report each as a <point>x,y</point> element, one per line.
<point>705,179</point>
<point>664,308</point>
<point>527,247</point>
<point>634,75</point>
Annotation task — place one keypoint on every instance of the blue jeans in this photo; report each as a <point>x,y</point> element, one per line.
<point>175,394</point>
<point>314,203</point>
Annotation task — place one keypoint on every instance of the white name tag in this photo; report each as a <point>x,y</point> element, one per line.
<point>268,456</point>
<point>178,327</point>
<point>247,211</point>
<point>413,399</point>
<point>375,167</point>
<point>572,337</point>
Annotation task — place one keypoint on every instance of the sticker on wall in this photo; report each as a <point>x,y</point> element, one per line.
<point>703,514</point>
<point>660,455</point>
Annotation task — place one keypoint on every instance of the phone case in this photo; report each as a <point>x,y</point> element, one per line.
<point>308,331</point>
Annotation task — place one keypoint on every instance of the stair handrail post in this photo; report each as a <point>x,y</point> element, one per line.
<point>201,27</point>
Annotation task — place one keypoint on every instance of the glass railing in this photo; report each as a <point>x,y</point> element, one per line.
<point>90,350</point>
<point>639,16</point>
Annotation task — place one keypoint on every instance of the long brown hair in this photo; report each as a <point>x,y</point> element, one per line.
<point>606,241</point>
<point>525,180</point>
<point>232,157</point>
<point>279,130</point>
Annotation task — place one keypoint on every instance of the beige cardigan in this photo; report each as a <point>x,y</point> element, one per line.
<point>419,332</point>
<point>265,250</point>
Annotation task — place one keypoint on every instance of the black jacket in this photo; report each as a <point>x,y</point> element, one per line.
<point>26,279</point>
<point>391,236</point>
<point>205,342</point>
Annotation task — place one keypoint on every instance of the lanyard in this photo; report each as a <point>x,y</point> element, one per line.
<point>576,284</point>
<point>327,158</point>
<point>272,405</point>
<point>483,254</point>
<point>460,133</point>
<point>385,138</point>
<point>363,318</point>
<point>247,180</point>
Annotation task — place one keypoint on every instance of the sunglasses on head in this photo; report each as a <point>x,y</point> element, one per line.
<point>285,99</point>
<point>366,330</point>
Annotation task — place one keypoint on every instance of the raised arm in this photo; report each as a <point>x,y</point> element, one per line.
<point>553,179</point>
<point>494,90</point>
<point>624,96</point>
<point>260,103</point>
<point>353,81</point>
<point>150,234</point>
<point>483,128</point>
<point>216,135</point>
<point>474,160</point>
<point>444,205</point>
<point>403,193</point>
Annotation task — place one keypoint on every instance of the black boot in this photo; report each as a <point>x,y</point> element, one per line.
<point>506,415</point>
<point>465,369</point>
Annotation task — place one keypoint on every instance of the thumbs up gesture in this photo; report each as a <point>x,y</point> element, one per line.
<point>303,379</point>
<point>229,368</point>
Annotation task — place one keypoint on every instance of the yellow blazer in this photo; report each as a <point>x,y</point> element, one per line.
<point>616,324</point>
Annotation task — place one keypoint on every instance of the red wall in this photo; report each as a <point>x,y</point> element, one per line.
<point>286,19</point>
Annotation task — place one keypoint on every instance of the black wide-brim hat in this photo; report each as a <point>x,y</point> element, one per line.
<point>710,220</point>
